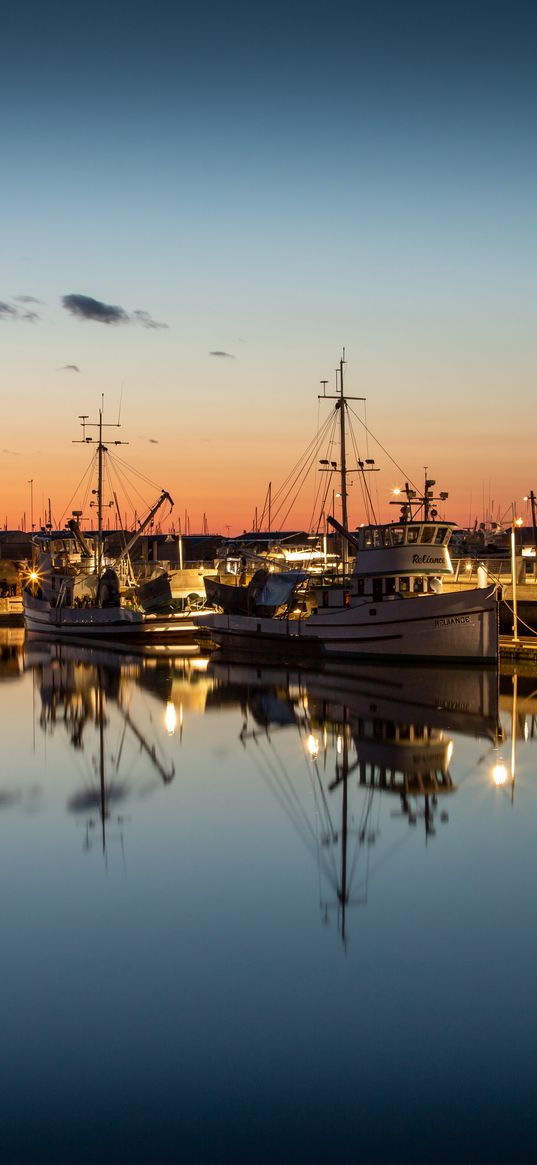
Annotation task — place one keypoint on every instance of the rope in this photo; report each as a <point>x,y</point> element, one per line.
<point>496,579</point>
<point>384,450</point>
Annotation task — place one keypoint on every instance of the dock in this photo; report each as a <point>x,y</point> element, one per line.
<point>521,650</point>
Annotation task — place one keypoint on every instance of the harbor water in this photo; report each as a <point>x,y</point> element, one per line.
<point>265,915</point>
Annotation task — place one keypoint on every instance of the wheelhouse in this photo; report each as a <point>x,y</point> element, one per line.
<point>404,534</point>
<point>397,560</point>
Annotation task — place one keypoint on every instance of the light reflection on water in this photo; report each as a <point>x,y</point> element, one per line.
<point>264,914</point>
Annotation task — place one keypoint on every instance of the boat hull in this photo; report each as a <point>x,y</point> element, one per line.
<point>455,627</point>
<point>40,616</point>
<point>115,625</point>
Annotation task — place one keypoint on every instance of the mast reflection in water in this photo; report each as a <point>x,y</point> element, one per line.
<point>367,733</point>
<point>183,998</point>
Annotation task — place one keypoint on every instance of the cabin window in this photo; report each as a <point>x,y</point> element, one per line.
<point>325,598</point>
<point>377,537</point>
<point>389,586</point>
<point>368,539</point>
<point>412,534</point>
<point>387,537</point>
<point>427,534</point>
<point>377,590</point>
<point>418,586</point>
<point>398,535</point>
<point>440,535</point>
<point>404,585</point>
<point>360,586</point>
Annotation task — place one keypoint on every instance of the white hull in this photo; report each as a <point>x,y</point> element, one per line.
<point>461,626</point>
<point>107,623</point>
<point>40,616</point>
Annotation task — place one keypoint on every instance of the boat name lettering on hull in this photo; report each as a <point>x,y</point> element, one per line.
<point>451,619</point>
<point>428,558</point>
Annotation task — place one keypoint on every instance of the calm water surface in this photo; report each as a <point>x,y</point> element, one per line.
<point>259,915</point>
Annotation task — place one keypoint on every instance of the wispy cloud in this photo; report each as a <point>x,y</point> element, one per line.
<point>10,453</point>
<point>145,320</point>
<point>152,440</point>
<point>27,299</point>
<point>9,312</point>
<point>69,368</point>
<point>84,307</point>
<point>225,355</point>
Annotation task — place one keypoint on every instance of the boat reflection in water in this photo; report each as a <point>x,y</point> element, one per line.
<point>88,693</point>
<point>371,740</point>
<point>368,734</point>
<point>11,653</point>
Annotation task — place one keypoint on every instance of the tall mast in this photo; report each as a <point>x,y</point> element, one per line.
<point>341,404</point>
<point>344,892</point>
<point>100,497</point>
<point>102,783</point>
<point>101,450</point>
<point>342,411</point>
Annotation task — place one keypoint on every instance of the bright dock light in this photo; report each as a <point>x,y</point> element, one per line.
<point>170,718</point>
<point>499,774</point>
<point>313,746</point>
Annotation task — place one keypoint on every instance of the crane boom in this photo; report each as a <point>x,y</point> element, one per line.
<point>143,525</point>
<point>344,533</point>
<point>74,527</point>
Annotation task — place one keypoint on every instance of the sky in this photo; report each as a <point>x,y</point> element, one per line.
<point>202,206</point>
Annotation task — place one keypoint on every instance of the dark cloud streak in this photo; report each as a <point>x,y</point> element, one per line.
<point>224,355</point>
<point>84,307</point>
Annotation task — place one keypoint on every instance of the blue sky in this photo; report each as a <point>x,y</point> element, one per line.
<point>272,183</point>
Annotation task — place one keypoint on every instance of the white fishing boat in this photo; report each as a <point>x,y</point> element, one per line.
<point>71,590</point>
<point>340,621</point>
<point>391,605</point>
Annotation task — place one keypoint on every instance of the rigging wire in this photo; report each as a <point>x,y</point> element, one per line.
<point>384,450</point>
<point>306,471</point>
<point>87,474</point>
<point>136,472</point>
<point>287,798</point>
<point>366,494</point>
<point>115,460</point>
<point>299,472</point>
<point>329,476</point>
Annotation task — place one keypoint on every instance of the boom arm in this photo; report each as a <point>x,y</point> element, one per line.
<point>143,525</point>
<point>77,535</point>
<point>344,533</point>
